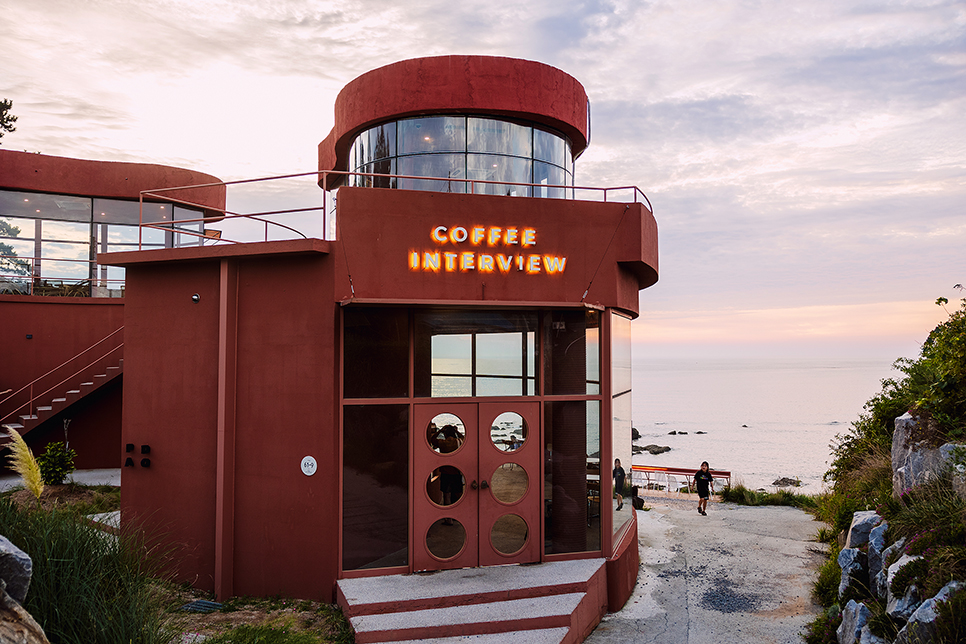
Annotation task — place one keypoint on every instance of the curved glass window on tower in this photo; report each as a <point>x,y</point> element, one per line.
<point>464,154</point>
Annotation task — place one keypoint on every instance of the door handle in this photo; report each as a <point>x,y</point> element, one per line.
<point>484,484</point>
<point>473,485</point>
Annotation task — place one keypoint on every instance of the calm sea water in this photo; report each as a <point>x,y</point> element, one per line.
<point>764,418</point>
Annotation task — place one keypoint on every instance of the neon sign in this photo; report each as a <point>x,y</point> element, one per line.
<point>500,250</point>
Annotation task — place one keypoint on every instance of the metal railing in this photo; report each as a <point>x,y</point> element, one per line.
<point>35,283</point>
<point>114,340</point>
<point>611,194</point>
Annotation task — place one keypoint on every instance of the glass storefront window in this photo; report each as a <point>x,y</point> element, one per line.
<point>376,353</point>
<point>432,134</point>
<point>499,137</point>
<point>440,166</point>
<point>621,408</point>
<point>572,491</point>
<point>450,148</point>
<point>572,364</point>
<point>550,148</point>
<point>486,353</point>
<point>484,167</point>
<point>375,494</point>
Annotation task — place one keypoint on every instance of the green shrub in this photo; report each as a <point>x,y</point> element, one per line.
<point>914,572</point>
<point>822,629</point>
<point>951,620</point>
<point>826,587</point>
<point>87,587</point>
<point>56,463</point>
<point>880,624</point>
<point>742,495</point>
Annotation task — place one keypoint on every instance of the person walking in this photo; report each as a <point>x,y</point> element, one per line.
<point>705,482</point>
<point>619,476</point>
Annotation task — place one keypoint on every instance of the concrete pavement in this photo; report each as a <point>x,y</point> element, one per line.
<point>741,575</point>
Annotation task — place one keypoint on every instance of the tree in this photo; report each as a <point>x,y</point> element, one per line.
<point>9,262</point>
<point>6,118</point>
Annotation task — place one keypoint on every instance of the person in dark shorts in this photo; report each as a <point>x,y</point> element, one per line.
<point>704,481</point>
<point>619,476</point>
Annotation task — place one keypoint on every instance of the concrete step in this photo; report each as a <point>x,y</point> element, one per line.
<point>558,602</point>
<point>60,400</point>
<point>536,636</point>
<point>372,595</point>
<point>45,408</point>
<point>555,611</point>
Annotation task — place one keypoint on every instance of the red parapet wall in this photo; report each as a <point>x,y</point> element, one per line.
<point>504,87</point>
<point>109,179</point>
<point>622,569</point>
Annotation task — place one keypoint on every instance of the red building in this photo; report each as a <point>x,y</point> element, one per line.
<point>444,383</point>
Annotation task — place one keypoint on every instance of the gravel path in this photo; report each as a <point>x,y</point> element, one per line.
<point>741,575</point>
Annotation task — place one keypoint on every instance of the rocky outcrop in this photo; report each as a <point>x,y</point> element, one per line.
<point>922,624</point>
<point>876,548</point>
<point>915,461</point>
<point>853,563</point>
<point>16,624</point>
<point>854,617</point>
<point>862,524</point>
<point>657,449</point>
<point>15,569</point>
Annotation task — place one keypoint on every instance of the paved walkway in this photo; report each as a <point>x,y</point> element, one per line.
<point>741,575</point>
<point>86,477</point>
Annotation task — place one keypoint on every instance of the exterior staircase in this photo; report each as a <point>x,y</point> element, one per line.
<point>552,603</point>
<point>62,386</point>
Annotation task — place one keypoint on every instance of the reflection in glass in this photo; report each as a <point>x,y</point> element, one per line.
<point>508,432</point>
<point>551,148</point>
<point>548,175</point>
<point>432,134</point>
<point>445,538</point>
<point>445,485</point>
<point>500,137</point>
<point>509,534</point>
<point>511,170</point>
<point>441,166</point>
<point>509,483</point>
<point>445,433</point>
<point>375,495</point>
<point>621,407</point>
<point>573,353</point>
<point>44,206</point>
<point>572,484</point>
<point>480,353</point>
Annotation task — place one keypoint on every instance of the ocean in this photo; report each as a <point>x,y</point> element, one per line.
<point>764,419</point>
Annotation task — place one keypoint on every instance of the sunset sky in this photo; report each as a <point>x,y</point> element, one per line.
<point>806,161</point>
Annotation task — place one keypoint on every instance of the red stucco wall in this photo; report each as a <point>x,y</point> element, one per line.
<point>379,228</point>
<point>86,178</point>
<point>283,539</point>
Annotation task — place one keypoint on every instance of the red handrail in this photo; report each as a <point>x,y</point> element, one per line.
<point>30,385</point>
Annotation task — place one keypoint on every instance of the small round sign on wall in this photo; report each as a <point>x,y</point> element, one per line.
<point>309,466</point>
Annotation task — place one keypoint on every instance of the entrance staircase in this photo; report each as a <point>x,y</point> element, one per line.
<point>549,603</point>
<point>61,387</point>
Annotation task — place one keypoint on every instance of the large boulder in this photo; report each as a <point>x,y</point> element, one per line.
<point>853,563</point>
<point>922,624</point>
<point>862,524</point>
<point>915,461</point>
<point>866,637</point>
<point>881,587</point>
<point>876,546</point>
<point>16,624</point>
<point>903,607</point>
<point>854,617</point>
<point>15,569</point>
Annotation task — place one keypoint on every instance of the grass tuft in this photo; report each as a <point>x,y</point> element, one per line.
<point>23,463</point>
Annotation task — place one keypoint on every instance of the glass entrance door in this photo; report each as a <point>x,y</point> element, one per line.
<point>477,486</point>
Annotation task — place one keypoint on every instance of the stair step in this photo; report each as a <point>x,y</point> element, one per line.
<point>476,619</point>
<point>100,375</point>
<point>28,417</point>
<point>373,595</point>
<point>60,400</point>
<point>110,369</point>
<point>535,636</point>
<point>45,408</point>
<point>74,392</point>
<point>87,384</point>
<point>16,426</point>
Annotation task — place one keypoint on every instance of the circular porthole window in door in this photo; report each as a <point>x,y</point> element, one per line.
<point>509,534</point>
<point>509,483</point>
<point>508,432</point>
<point>446,538</point>
<point>445,485</point>
<point>445,433</point>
